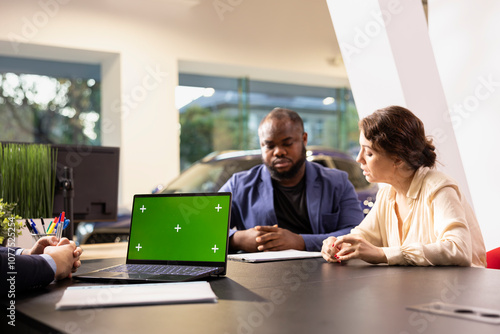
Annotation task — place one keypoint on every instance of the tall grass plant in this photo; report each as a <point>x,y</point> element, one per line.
<point>27,177</point>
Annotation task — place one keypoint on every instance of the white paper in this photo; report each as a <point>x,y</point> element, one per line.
<point>92,296</point>
<point>289,254</point>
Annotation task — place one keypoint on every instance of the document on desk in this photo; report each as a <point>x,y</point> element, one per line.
<point>94,296</point>
<point>290,254</point>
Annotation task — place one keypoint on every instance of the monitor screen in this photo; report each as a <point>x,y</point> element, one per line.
<point>95,181</point>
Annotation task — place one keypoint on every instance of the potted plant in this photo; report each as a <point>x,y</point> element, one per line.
<point>10,225</point>
<point>27,177</point>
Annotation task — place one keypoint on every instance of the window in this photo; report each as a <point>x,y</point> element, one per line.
<point>219,113</point>
<point>49,102</point>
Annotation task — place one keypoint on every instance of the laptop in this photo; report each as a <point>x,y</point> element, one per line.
<point>173,238</point>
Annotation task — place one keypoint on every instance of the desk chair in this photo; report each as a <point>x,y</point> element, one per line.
<point>493,258</point>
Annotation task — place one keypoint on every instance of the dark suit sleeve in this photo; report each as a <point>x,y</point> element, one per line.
<point>22,272</point>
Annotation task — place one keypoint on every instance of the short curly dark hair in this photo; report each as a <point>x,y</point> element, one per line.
<point>283,113</point>
<point>399,133</point>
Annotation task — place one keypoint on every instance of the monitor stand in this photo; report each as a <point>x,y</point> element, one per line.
<point>68,194</point>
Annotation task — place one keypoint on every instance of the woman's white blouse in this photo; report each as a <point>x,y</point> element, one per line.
<point>440,229</point>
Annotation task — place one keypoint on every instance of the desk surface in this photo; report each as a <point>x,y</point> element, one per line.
<point>300,296</point>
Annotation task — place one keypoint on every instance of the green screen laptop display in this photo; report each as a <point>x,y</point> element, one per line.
<point>180,227</point>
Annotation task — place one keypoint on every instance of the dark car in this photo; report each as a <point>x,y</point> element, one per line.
<point>210,173</point>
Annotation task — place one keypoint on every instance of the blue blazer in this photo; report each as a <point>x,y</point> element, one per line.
<point>332,202</point>
<point>31,271</point>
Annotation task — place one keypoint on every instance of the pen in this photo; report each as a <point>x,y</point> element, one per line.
<point>54,223</point>
<point>48,227</point>
<point>43,226</point>
<point>61,228</point>
<point>58,230</point>
<point>58,222</point>
<point>54,226</point>
<point>28,226</point>
<point>33,226</point>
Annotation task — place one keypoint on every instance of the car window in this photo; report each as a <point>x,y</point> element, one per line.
<point>209,176</point>
<point>355,172</point>
<point>201,177</point>
<point>212,175</point>
<point>322,162</point>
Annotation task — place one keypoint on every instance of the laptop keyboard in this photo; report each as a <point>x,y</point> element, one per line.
<point>156,269</point>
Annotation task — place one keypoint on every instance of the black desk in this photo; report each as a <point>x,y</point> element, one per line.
<point>302,296</point>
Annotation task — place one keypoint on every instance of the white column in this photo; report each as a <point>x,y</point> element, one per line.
<point>464,36</point>
<point>389,60</point>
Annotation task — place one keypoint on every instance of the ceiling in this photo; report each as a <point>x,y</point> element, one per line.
<point>288,28</point>
<point>285,28</point>
<point>287,35</point>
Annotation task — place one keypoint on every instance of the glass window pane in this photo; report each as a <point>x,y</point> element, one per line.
<point>355,173</point>
<point>36,106</point>
<point>218,114</point>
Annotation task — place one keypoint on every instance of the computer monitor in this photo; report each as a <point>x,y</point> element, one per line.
<point>95,181</point>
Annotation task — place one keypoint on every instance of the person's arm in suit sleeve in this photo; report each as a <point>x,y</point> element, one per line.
<point>23,272</point>
<point>49,258</point>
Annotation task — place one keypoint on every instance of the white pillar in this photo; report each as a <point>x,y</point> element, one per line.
<point>389,60</point>
<point>464,36</point>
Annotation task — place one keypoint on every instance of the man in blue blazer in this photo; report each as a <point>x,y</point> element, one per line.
<point>24,269</point>
<point>289,202</point>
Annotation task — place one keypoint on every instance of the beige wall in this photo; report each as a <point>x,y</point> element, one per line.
<point>141,44</point>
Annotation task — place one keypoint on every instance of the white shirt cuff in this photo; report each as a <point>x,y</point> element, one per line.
<point>394,255</point>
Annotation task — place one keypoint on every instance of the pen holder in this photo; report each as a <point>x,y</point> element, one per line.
<point>39,236</point>
<point>39,231</point>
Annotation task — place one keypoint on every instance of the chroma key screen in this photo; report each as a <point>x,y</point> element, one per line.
<point>180,227</point>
